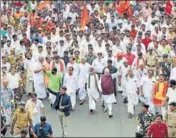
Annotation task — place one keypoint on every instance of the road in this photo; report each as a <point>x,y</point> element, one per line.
<point>81,124</point>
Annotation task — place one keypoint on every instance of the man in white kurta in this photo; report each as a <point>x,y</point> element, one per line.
<point>122,80</point>
<point>146,87</point>
<point>92,89</point>
<point>131,90</point>
<point>39,84</point>
<point>29,67</point>
<point>35,107</point>
<point>71,83</point>
<point>173,74</point>
<point>73,64</point>
<point>83,72</point>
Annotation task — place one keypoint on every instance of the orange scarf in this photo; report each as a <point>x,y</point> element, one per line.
<point>60,64</point>
<point>157,99</point>
<point>137,67</point>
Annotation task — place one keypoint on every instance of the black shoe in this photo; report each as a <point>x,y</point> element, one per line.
<point>51,105</point>
<point>130,116</point>
<point>81,102</point>
<point>110,116</point>
<point>103,106</point>
<point>115,103</point>
<point>125,101</point>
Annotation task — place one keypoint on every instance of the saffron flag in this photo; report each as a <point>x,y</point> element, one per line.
<point>43,4</point>
<point>84,17</point>
<point>168,8</point>
<point>123,7</point>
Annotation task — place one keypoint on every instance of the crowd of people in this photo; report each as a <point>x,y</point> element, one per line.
<point>95,50</point>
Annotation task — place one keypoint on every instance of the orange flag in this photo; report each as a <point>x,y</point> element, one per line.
<point>84,17</point>
<point>43,4</point>
<point>123,7</point>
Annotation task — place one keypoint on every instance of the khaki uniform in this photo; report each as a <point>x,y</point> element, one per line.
<point>171,123</point>
<point>21,121</point>
<point>151,62</point>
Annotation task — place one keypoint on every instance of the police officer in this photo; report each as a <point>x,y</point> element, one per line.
<point>170,119</point>
<point>143,121</point>
<point>166,67</point>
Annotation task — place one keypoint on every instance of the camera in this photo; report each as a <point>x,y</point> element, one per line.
<point>41,131</point>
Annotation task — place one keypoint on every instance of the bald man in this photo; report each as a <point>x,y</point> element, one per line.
<point>107,90</point>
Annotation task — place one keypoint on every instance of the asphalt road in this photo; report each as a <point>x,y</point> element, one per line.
<point>81,124</point>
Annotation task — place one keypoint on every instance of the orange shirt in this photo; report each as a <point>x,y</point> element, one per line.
<point>160,89</point>
<point>47,68</point>
<point>133,33</point>
<point>18,15</point>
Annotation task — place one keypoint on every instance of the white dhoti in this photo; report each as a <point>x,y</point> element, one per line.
<point>124,83</point>
<point>40,90</point>
<point>93,97</point>
<point>29,86</point>
<point>119,88</point>
<point>73,99</point>
<point>132,101</point>
<point>109,100</point>
<point>52,98</point>
<point>148,101</point>
<point>8,115</point>
<point>36,119</point>
<point>82,93</point>
<point>160,109</point>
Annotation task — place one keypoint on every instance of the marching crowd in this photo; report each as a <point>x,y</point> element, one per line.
<point>95,50</point>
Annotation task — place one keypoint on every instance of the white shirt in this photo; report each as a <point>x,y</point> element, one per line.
<point>173,74</point>
<point>171,94</point>
<point>131,85</point>
<point>7,65</point>
<point>75,68</point>
<point>13,80</point>
<point>99,65</point>
<point>147,84</point>
<point>20,49</point>
<point>29,67</point>
<point>38,77</point>
<point>34,109</point>
<point>71,83</point>
<point>61,49</point>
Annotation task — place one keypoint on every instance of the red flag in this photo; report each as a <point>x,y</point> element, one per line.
<point>168,8</point>
<point>18,4</point>
<point>84,17</point>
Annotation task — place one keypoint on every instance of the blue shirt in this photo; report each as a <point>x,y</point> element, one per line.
<point>6,98</point>
<point>47,130</point>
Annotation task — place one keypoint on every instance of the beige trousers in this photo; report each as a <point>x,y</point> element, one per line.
<point>63,122</point>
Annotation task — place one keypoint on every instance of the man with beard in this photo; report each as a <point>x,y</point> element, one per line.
<point>107,90</point>
<point>92,89</point>
<point>54,82</point>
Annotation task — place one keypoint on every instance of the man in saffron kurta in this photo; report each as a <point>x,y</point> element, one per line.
<point>159,95</point>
